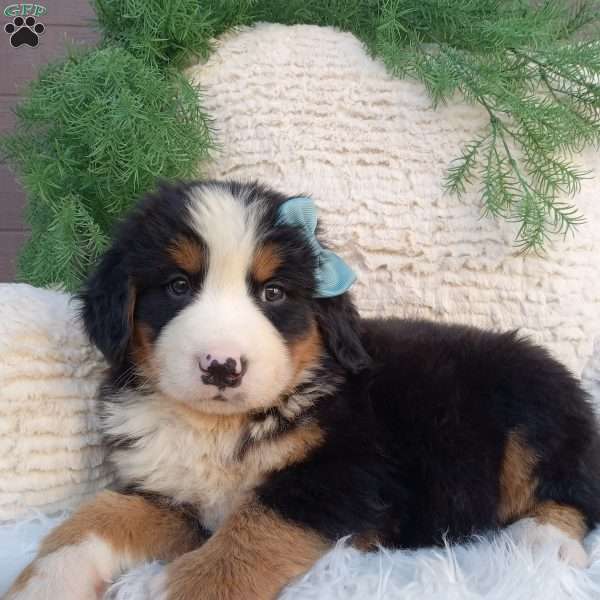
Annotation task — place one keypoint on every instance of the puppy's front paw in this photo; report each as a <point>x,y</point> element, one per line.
<point>185,579</point>
<point>76,572</point>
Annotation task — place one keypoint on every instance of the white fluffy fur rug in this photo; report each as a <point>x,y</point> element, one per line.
<point>495,569</point>
<point>490,569</point>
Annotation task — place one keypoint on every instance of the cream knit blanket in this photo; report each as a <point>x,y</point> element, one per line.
<point>306,110</point>
<point>50,454</point>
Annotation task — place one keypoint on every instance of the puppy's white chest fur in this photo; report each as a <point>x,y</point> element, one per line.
<point>187,456</point>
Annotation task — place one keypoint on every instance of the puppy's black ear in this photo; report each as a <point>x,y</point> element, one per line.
<point>108,301</point>
<point>339,323</point>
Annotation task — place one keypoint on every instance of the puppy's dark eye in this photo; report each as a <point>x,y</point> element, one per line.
<point>272,293</point>
<point>179,286</point>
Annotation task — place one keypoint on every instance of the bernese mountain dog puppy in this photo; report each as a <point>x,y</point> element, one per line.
<point>254,419</point>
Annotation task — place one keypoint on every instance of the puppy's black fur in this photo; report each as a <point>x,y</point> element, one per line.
<point>415,443</point>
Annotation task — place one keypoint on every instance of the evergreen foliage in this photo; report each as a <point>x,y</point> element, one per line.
<point>97,130</point>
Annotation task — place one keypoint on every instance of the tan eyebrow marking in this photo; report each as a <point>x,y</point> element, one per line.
<point>188,255</point>
<point>266,262</point>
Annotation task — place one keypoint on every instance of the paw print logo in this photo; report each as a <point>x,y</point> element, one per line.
<point>24,31</point>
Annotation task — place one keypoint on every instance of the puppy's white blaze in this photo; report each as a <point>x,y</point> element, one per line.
<point>76,572</point>
<point>224,315</point>
<point>229,229</point>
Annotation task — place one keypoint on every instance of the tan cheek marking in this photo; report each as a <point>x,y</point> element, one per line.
<point>305,352</point>
<point>517,486</point>
<point>566,518</point>
<point>129,524</point>
<point>142,350</point>
<point>252,557</point>
<point>131,306</point>
<point>188,255</point>
<point>266,262</point>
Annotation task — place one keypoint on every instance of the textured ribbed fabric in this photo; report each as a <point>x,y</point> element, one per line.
<point>50,453</point>
<point>306,110</point>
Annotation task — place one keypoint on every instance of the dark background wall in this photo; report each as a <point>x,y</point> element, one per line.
<point>67,21</point>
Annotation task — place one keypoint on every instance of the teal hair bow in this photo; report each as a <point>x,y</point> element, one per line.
<point>334,276</point>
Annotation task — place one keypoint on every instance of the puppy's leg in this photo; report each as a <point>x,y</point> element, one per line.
<point>559,524</point>
<point>536,522</point>
<point>251,557</point>
<point>104,538</point>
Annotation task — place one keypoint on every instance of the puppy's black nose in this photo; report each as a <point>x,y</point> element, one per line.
<point>222,372</point>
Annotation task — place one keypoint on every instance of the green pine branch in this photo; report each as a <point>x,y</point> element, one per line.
<point>530,65</point>
<point>96,130</point>
<point>94,133</point>
<point>542,101</point>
